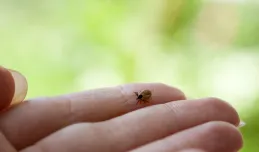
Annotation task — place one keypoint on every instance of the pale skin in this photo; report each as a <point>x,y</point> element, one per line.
<point>108,120</point>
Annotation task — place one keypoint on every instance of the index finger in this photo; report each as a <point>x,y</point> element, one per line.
<point>44,116</point>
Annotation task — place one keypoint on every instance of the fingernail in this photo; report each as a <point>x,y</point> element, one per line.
<point>21,87</point>
<point>241,124</point>
<point>7,88</point>
<point>13,87</point>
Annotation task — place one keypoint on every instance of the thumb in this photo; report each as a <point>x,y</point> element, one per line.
<point>13,88</point>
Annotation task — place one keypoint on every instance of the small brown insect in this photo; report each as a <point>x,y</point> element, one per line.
<point>144,96</point>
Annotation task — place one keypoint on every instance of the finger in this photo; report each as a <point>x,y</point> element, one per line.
<point>46,115</point>
<point>190,150</point>
<point>5,146</point>
<point>211,137</point>
<point>139,127</point>
<point>13,86</point>
<point>7,88</point>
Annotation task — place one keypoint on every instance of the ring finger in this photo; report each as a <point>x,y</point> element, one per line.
<point>210,137</point>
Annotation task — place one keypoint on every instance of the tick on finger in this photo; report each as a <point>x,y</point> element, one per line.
<point>143,96</point>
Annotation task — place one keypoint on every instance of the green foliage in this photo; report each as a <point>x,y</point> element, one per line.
<point>248,34</point>
<point>179,19</point>
<point>250,132</point>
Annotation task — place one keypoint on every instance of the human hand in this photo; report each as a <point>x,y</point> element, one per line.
<point>108,119</point>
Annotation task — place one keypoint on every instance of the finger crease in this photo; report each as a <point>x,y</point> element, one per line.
<point>124,97</point>
<point>70,114</point>
<point>173,110</point>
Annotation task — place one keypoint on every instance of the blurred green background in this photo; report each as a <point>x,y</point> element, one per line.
<point>206,48</point>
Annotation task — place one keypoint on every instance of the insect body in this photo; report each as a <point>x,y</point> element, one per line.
<point>144,96</point>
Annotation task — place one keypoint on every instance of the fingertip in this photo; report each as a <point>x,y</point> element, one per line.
<point>223,106</point>
<point>13,87</point>
<point>7,87</point>
<point>228,135</point>
<point>21,87</point>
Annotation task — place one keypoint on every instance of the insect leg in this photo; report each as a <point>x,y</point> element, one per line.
<point>139,101</point>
